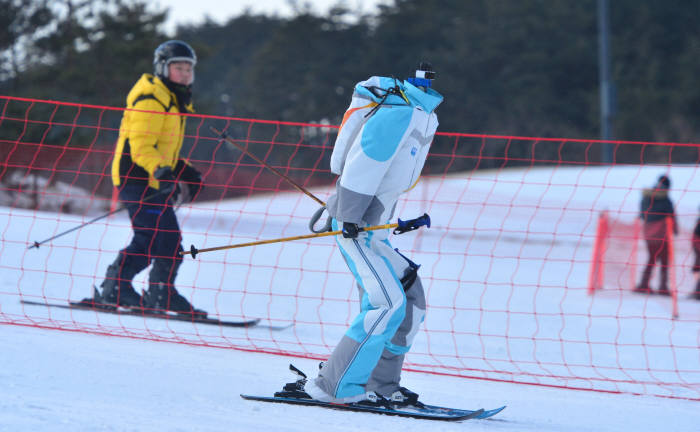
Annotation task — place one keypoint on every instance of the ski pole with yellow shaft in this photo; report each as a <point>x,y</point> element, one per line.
<point>399,228</point>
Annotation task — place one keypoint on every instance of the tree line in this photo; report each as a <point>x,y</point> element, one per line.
<point>527,68</point>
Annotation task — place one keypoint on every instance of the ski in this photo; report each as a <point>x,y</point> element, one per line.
<point>142,313</point>
<point>491,412</point>
<point>426,412</point>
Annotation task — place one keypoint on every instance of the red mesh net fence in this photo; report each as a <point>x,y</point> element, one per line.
<point>506,264</point>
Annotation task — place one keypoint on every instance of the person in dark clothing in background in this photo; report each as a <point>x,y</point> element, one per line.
<point>655,209</point>
<point>696,265</point>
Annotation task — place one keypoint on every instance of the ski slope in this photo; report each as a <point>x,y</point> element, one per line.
<point>69,380</point>
<point>63,381</point>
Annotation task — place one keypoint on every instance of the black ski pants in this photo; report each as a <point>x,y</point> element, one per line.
<point>157,236</point>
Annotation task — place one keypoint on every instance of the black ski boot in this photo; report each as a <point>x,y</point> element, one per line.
<point>643,287</point>
<point>162,297</point>
<point>95,302</point>
<point>663,286</point>
<point>404,397</point>
<point>295,389</point>
<point>116,287</point>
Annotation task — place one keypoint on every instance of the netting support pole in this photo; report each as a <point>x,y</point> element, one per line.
<point>671,267</point>
<point>633,258</point>
<point>595,279</point>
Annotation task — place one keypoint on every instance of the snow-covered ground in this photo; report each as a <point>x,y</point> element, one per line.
<point>63,381</point>
<point>509,249</point>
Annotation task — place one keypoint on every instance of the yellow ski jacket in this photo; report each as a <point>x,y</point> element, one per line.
<point>151,133</point>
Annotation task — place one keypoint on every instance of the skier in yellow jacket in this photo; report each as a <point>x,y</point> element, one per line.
<point>146,170</point>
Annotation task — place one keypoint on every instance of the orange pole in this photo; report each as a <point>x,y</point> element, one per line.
<point>603,248</point>
<point>671,266</point>
<point>594,277</point>
<point>635,246</point>
<point>115,199</point>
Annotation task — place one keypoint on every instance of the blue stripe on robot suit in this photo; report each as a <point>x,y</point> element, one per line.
<point>386,311</point>
<point>348,260</point>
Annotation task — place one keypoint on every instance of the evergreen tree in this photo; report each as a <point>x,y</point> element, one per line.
<point>20,22</point>
<point>526,68</point>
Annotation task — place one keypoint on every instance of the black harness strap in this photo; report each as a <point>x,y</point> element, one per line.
<point>384,94</point>
<point>150,96</point>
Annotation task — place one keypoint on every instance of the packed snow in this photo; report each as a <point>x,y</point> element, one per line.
<point>532,229</point>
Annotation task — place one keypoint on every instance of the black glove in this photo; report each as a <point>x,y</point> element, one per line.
<point>350,230</point>
<point>191,177</point>
<point>168,185</point>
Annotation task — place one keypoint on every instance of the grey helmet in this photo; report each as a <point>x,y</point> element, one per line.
<point>171,51</point>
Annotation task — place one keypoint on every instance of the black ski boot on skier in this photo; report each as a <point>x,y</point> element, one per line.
<point>117,290</point>
<point>162,296</point>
